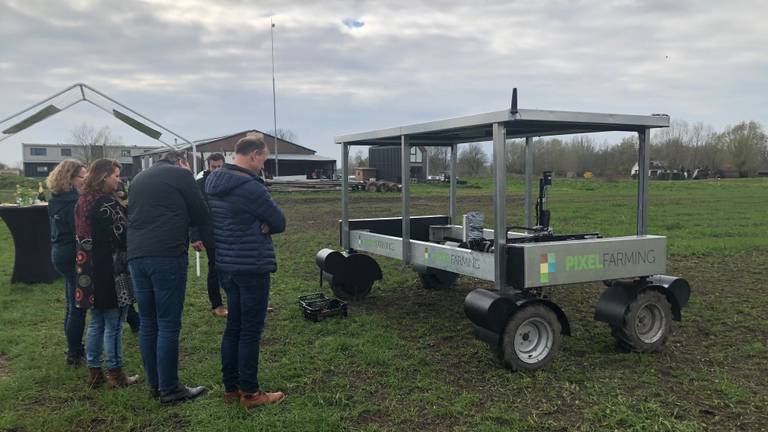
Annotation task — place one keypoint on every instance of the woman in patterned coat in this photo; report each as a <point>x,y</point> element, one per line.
<point>100,228</point>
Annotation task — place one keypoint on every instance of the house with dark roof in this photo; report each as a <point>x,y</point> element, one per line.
<point>289,158</point>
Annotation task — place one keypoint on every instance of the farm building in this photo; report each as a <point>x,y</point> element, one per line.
<point>292,159</point>
<point>386,161</point>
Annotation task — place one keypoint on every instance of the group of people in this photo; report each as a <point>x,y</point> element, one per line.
<point>114,253</point>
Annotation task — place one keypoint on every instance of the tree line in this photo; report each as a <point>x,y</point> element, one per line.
<point>738,150</point>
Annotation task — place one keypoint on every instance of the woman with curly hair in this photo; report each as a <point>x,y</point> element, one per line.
<point>65,182</point>
<point>100,225</point>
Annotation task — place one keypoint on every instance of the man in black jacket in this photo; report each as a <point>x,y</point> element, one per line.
<point>202,237</point>
<point>163,202</point>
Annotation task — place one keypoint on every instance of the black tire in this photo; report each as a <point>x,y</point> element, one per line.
<point>531,339</point>
<point>436,279</point>
<point>352,290</point>
<point>647,323</point>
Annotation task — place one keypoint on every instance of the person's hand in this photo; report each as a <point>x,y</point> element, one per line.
<point>264,229</point>
<point>198,245</point>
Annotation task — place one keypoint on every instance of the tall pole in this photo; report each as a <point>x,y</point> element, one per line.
<point>274,99</point>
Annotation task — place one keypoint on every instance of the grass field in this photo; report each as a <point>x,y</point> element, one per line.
<point>405,359</point>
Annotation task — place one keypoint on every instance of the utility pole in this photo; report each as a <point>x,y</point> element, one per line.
<point>274,99</point>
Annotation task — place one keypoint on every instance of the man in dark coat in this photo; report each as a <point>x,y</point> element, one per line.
<point>244,219</point>
<point>163,202</point>
<point>202,237</point>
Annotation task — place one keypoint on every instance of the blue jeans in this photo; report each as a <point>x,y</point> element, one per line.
<point>247,299</point>
<point>74,317</point>
<point>105,334</point>
<point>159,284</point>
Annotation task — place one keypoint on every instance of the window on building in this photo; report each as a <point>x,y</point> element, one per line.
<point>42,169</point>
<point>38,151</point>
<point>416,155</point>
<point>125,153</point>
<point>66,152</point>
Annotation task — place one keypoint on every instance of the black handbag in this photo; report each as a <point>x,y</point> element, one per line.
<point>123,282</point>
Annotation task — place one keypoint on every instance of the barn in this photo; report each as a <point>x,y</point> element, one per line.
<point>289,160</point>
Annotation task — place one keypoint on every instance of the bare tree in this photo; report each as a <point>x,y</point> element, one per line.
<point>714,152</point>
<point>284,134</point>
<point>514,158</point>
<point>618,160</point>
<point>92,144</point>
<point>359,160</point>
<point>581,150</point>
<point>472,160</point>
<point>550,155</point>
<point>746,142</point>
<point>682,145</point>
<point>700,136</point>
<point>672,145</point>
<point>438,160</point>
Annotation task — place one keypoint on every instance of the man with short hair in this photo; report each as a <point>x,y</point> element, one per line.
<point>244,218</point>
<point>164,202</point>
<point>201,238</point>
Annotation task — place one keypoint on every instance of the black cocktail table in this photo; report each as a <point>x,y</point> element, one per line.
<point>31,234</point>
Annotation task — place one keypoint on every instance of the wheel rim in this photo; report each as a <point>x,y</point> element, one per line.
<point>533,340</point>
<point>649,324</point>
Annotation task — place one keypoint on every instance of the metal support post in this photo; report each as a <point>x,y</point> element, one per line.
<point>528,181</point>
<point>274,98</point>
<point>345,196</point>
<point>643,162</point>
<point>499,205</point>
<point>452,182</point>
<point>406,181</point>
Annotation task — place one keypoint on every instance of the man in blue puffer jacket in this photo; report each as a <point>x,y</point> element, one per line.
<point>244,218</point>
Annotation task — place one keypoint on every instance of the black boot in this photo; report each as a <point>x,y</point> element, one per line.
<point>180,394</point>
<point>75,359</point>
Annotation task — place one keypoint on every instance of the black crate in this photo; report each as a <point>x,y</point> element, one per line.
<point>317,307</point>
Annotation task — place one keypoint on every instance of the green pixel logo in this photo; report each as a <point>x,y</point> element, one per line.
<point>547,265</point>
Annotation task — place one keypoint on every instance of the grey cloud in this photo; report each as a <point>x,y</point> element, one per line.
<point>204,67</point>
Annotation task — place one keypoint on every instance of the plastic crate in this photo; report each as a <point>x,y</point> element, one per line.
<point>317,307</point>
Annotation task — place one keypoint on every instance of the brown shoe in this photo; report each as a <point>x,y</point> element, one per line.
<point>220,311</point>
<point>250,400</point>
<point>95,377</point>
<point>232,397</point>
<point>117,378</point>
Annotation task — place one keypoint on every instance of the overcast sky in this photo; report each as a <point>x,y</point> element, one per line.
<point>202,68</point>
